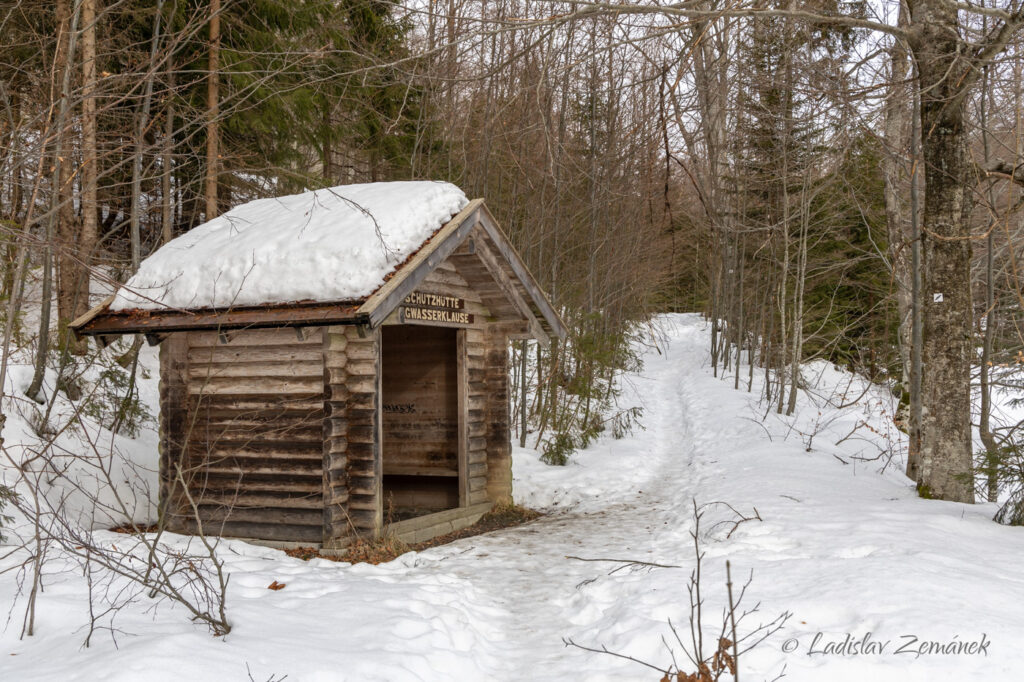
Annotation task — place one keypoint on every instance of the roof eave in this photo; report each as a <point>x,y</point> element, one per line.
<point>100,321</point>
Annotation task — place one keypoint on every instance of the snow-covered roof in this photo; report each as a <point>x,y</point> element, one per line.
<point>336,244</point>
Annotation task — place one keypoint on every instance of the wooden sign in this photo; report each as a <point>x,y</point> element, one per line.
<point>424,307</point>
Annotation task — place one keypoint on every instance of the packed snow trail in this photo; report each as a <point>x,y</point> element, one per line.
<point>844,544</point>
<point>526,572</point>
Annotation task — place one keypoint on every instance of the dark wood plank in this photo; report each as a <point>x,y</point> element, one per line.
<point>409,276</point>
<point>260,317</point>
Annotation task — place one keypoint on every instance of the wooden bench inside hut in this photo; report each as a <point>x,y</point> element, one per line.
<point>333,364</point>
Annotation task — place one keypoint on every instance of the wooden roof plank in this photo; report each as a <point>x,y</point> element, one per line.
<point>409,276</point>
<point>504,282</point>
<point>94,312</point>
<point>108,323</point>
<point>522,273</point>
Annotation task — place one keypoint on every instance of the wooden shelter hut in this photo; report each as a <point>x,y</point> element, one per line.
<point>333,364</point>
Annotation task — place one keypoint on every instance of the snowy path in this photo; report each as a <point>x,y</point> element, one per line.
<point>844,547</point>
<point>525,571</point>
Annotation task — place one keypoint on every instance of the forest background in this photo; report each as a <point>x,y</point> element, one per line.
<point>822,179</point>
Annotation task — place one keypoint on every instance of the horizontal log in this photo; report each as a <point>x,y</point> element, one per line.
<point>312,370</point>
<point>335,447</point>
<point>260,531</point>
<point>359,351</point>
<point>250,501</point>
<point>231,478</point>
<point>362,451</point>
<point>361,434</point>
<point>336,476</point>
<point>253,337</point>
<point>261,405</point>
<point>360,369</point>
<point>224,411</point>
<point>310,433</point>
<point>359,502</point>
<point>363,487</point>
<point>258,419</point>
<point>255,354</point>
<point>335,393</point>
<point>305,387</point>
<point>449,282</point>
<point>364,521</point>
<point>361,469</point>
<point>412,470</point>
<point>255,448</point>
<point>362,384</point>
<point>248,485</point>
<point>277,417</point>
<point>430,525</point>
<point>335,510</point>
<point>334,374</point>
<point>361,405</point>
<point>335,427</point>
<point>411,436</point>
<point>197,463</point>
<point>296,517</point>
<point>335,341</point>
<point>240,476</point>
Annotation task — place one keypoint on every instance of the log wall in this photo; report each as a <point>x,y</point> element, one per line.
<point>251,450</point>
<point>351,435</point>
<point>499,435</point>
<point>476,416</point>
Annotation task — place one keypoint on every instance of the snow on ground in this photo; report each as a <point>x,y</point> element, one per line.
<point>335,244</point>
<point>844,544</point>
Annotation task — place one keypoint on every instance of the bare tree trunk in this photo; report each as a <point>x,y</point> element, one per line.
<point>213,112</point>
<point>947,344</point>
<point>985,417</point>
<point>916,288</point>
<point>140,131</point>
<point>167,161</point>
<point>897,114</point>
<point>90,229</point>
<point>523,407</point>
<point>741,330</point>
<point>798,304</point>
<point>61,199</point>
<point>70,271</point>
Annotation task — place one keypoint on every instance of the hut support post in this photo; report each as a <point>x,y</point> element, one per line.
<point>499,435</point>
<point>352,456</point>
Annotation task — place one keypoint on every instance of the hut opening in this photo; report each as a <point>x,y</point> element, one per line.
<point>333,364</point>
<point>420,439</point>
